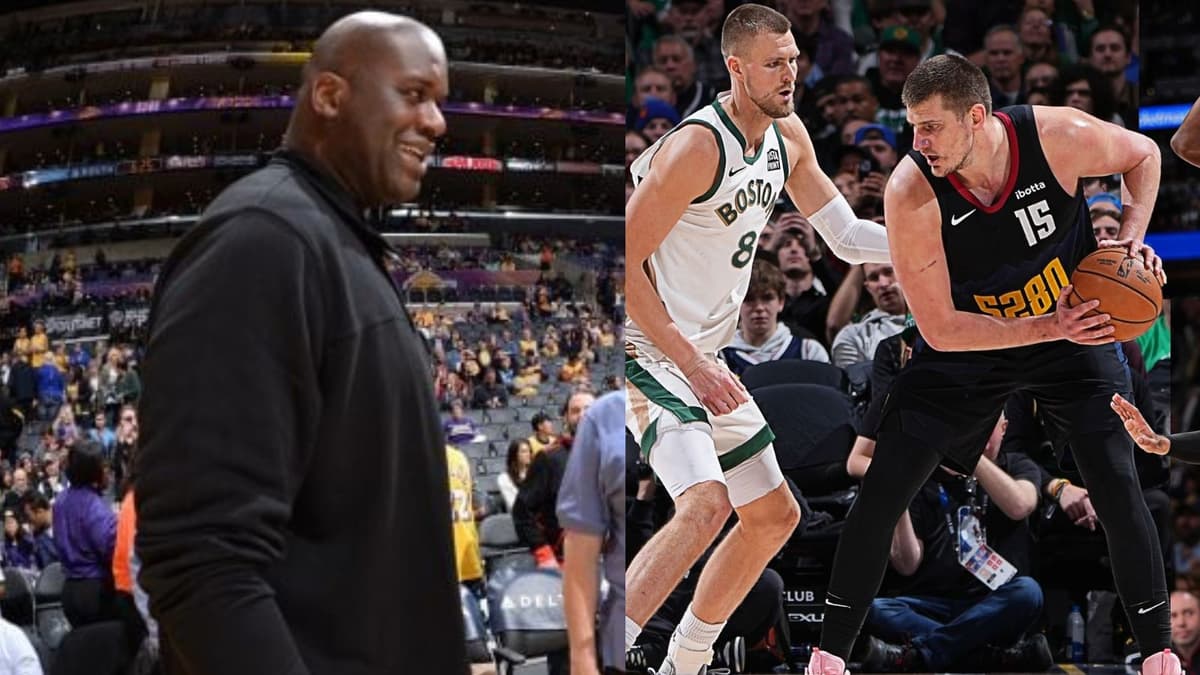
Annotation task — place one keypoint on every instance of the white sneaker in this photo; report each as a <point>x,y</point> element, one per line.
<point>669,668</point>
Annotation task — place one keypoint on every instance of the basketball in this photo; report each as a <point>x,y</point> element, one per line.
<point>1127,291</point>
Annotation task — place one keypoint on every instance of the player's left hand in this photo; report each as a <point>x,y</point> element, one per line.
<point>1138,428</point>
<point>1142,251</point>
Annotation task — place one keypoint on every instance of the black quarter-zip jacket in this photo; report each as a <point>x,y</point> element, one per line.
<point>293,506</point>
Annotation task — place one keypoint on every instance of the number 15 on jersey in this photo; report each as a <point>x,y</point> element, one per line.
<point>1036,221</point>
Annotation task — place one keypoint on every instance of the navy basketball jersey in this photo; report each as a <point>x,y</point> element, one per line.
<point>1011,259</point>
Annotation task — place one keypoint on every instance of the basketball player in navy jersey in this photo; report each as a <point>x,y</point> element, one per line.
<point>986,222</point>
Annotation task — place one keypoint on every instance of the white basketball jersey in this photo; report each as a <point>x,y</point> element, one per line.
<point>702,269</point>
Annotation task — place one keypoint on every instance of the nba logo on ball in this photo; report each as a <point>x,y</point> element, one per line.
<point>1128,292</point>
<point>772,160</point>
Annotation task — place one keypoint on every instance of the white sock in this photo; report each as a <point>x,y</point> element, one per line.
<point>632,631</point>
<point>694,639</point>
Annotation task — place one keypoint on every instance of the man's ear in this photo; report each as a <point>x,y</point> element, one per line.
<point>328,94</point>
<point>734,64</point>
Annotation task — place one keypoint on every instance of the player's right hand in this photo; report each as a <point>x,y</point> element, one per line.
<point>1138,428</point>
<point>718,390</point>
<point>1080,329</point>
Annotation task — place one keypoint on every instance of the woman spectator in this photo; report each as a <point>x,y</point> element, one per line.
<point>65,429</point>
<point>18,546</point>
<point>520,455</point>
<point>85,533</point>
<point>106,386</point>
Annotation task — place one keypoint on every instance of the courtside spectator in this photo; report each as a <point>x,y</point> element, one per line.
<point>760,337</point>
<point>856,342</point>
<point>655,118</point>
<point>674,56</point>
<point>1185,626</point>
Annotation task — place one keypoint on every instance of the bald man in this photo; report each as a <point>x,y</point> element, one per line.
<point>291,484</point>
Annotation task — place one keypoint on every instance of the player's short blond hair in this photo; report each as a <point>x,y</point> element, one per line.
<point>749,21</point>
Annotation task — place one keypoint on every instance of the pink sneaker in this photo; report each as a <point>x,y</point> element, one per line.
<point>1162,663</point>
<point>824,663</point>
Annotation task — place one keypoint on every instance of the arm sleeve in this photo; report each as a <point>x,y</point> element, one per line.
<point>227,433</point>
<point>103,531</point>
<point>581,500</point>
<point>1185,447</point>
<point>849,237</point>
<point>844,348</point>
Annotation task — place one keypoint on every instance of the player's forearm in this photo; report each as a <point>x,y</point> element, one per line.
<point>860,457</point>
<point>581,590</point>
<point>1017,499</point>
<point>1140,186</point>
<point>966,331</point>
<point>646,309</point>
<point>906,550</point>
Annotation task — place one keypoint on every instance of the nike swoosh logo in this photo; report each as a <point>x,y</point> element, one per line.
<point>1150,609</point>
<point>733,171</point>
<point>836,604</point>
<point>955,220</point>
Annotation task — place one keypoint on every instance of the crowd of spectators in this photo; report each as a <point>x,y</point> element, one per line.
<point>540,362</point>
<point>852,66</point>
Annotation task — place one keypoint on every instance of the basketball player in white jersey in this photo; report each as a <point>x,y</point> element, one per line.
<point>704,193</point>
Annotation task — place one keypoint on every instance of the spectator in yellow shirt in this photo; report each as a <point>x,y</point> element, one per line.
<point>544,436</point>
<point>462,517</point>
<point>573,370</point>
<point>39,344</point>
<point>21,346</point>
